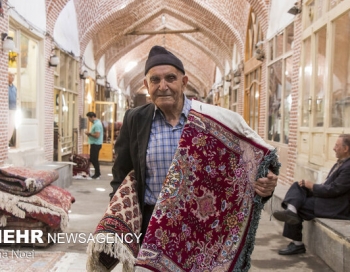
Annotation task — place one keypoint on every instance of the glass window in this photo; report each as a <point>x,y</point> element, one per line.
<point>287,102</point>
<point>234,98</point>
<point>279,45</point>
<point>319,9</point>
<point>340,92</point>
<point>106,113</point>
<point>103,93</point>
<point>307,72</point>
<point>71,74</point>
<point>279,87</point>
<point>289,37</point>
<point>254,35</point>
<point>23,68</point>
<point>275,95</point>
<point>13,92</point>
<point>28,68</point>
<point>334,3</point>
<point>252,82</point>
<point>309,14</point>
<point>320,68</point>
<point>122,105</point>
<point>271,49</point>
<point>254,93</point>
<point>65,107</point>
<point>62,70</point>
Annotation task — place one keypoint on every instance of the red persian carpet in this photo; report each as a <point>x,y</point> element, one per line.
<point>207,213</point>
<point>121,218</point>
<point>49,206</point>
<point>24,181</point>
<point>82,164</point>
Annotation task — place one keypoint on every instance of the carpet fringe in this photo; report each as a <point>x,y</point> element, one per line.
<point>142,269</point>
<point>19,205</point>
<point>31,185</point>
<point>116,250</point>
<point>3,221</point>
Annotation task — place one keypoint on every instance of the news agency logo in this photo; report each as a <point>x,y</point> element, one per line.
<point>21,236</point>
<point>37,236</point>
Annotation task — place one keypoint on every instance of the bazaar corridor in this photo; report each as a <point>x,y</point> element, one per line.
<point>75,73</point>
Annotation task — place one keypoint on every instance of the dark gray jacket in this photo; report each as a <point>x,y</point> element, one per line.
<point>131,147</point>
<point>332,199</point>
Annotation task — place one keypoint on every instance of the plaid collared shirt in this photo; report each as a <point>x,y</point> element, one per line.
<point>161,148</point>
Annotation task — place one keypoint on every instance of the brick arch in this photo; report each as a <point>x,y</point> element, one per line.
<point>215,41</point>
<point>261,9</point>
<point>53,10</point>
<point>227,19</point>
<point>107,11</point>
<point>223,23</point>
<point>129,43</point>
<point>181,48</point>
<point>203,16</point>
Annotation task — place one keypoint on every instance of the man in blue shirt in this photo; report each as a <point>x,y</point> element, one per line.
<point>12,92</point>
<point>150,134</point>
<point>95,139</point>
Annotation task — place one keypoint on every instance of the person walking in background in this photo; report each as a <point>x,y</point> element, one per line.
<point>150,134</point>
<point>306,200</point>
<point>95,139</point>
<point>12,93</point>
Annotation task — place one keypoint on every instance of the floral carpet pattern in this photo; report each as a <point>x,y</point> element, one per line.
<point>122,217</point>
<point>207,213</point>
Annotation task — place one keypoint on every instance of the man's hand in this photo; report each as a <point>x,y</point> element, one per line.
<point>265,186</point>
<point>306,183</point>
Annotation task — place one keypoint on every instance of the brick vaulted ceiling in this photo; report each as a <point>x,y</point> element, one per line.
<point>219,24</point>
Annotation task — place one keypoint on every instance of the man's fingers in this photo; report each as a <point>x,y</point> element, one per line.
<point>263,191</point>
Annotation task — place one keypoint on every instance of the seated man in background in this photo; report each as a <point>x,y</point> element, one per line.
<point>306,200</point>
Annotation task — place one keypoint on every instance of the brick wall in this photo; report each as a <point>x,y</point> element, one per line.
<point>293,122</point>
<point>52,12</point>
<point>3,91</point>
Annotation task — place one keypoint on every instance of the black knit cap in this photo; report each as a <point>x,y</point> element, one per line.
<point>160,56</point>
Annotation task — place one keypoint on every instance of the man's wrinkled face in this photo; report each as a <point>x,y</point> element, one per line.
<point>341,150</point>
<point>165,86</point>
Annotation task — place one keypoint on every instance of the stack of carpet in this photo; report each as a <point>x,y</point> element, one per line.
<point>29,201</point>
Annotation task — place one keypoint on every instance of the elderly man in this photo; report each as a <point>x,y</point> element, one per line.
<point>306,200</point>
<point>150,134</point>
